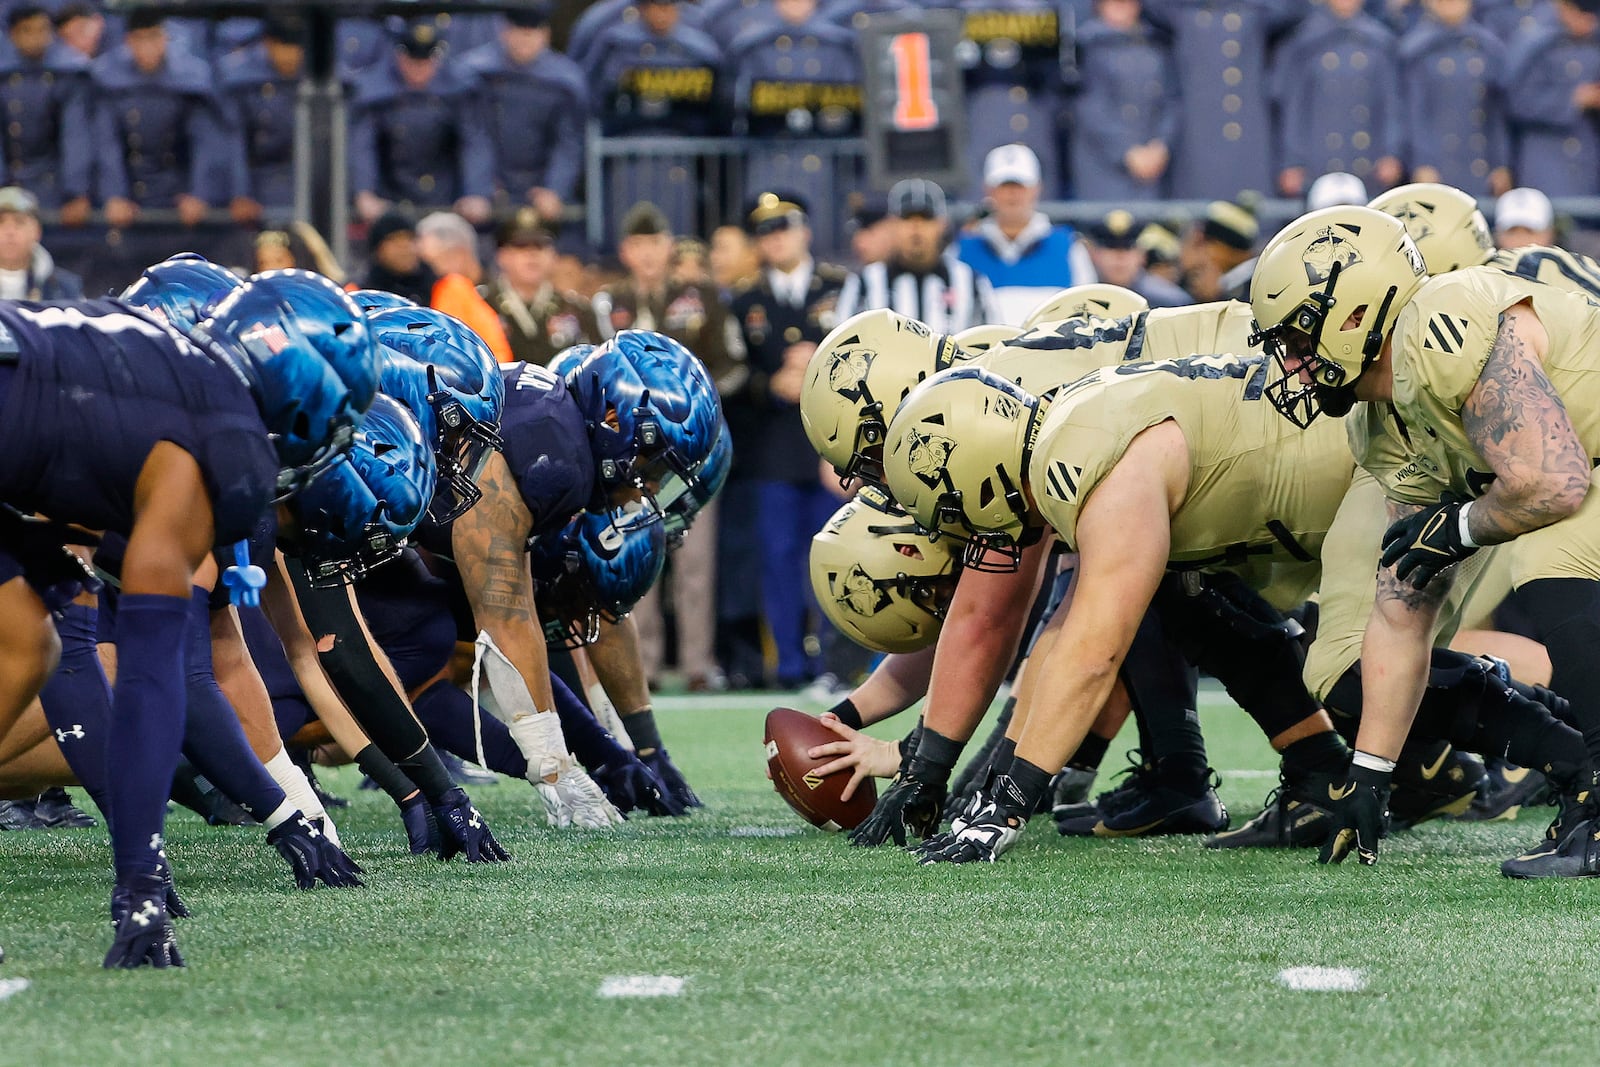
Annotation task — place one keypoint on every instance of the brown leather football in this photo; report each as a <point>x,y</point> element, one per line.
<point>789,734</point>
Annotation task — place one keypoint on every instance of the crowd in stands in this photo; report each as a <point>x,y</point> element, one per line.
<point>467,142</point>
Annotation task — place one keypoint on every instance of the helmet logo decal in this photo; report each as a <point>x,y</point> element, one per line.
<point>1005,406</point>
<point>1419,223</point>
<point>858,594</point>
<point>1325,252</point>
<point>847,370</point>
<point>928,455</point>
<point>272,337</point>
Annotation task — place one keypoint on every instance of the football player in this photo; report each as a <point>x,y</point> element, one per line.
<point>116,422</point>
<point>1484,374</point>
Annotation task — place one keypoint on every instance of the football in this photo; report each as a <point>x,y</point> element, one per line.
<point>790,734</point>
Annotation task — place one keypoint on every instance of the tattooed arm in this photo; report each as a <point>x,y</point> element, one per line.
<point>1518,424</point>
<point>490,543</point>
<point>1395,652</point>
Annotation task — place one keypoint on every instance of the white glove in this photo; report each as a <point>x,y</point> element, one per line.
<point>574,799</point>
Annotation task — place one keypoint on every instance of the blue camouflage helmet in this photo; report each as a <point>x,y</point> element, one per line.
<point>435,365</point>
<point>375,300</point>
<point>596,567</point>
<point>181,290</point>
<point>304,350</point>
<point>568,358</point>
<point>649,409</point>
<point>681,392</point>
<point>358,514</point>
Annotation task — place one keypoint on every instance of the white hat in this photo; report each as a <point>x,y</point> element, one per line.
<point>1527,208</point>
<point>1335,190</point>
<point>1011,163</point>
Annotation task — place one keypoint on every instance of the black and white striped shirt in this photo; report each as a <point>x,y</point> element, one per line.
<point>949,297</point>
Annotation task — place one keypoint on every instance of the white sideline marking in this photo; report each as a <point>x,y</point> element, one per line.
<point>1248,774</point>
<point>641,985</point>
<point>1323,979</point>
<point>764,831</point>
<point>10,987</point>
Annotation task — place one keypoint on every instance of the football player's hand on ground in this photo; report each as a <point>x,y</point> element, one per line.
<point>910,811</point>
<point>1360,817</point>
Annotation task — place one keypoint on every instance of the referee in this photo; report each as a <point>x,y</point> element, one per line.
<point>921,279</point>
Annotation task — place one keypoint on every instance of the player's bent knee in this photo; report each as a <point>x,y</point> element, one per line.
<point>29,649</point>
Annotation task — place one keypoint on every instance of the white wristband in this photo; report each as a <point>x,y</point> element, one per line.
<point>1371,762</point>
<point>1461,520</point>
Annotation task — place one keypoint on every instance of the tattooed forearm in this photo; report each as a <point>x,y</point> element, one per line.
<point>1516,420</point>
<point>490,544</point>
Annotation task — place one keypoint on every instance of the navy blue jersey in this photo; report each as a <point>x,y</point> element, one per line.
<point>96,386</point>
<point>546,446</point>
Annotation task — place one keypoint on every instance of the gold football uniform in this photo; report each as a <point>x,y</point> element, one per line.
<point>1052,354</point>
<point>1553,266</point>
<point>1442,340</point>
<point>1261,492</point>
<point>1348,588</point>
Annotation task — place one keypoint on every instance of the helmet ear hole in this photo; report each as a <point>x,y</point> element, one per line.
<point>1356,317</point>
<point>986,493</point>
<point>302,424</point>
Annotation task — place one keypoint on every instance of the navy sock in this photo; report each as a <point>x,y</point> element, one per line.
<point>642,730</point>
<point>447,712</point>
<point>146,731</point>
<point>589,741</point>
<point>213,740</point>
<point>77,702</point>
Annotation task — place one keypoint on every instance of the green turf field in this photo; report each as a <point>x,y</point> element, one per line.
<point>796,949</point>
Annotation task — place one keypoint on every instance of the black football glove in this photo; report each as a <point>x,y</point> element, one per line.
<point>122,903</point>
<point>632,786</point>
<point>1421,545</point>
<point>144,935</point>
<point>678,790</point>
<point>1360,817</point>
<point>312,854</point>
<point>462,829</point>
<point>911,810</point>
<point>988,828</point>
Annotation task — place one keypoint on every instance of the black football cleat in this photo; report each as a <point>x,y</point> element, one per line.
<point>1437,781</point>
<point>1575,855</point>
<point>55,809</point>
<point>1506,790</point>
<point>1080,819</point>
<point>1167,807</point>
<point>18,815</point>
<point>1295,815</point>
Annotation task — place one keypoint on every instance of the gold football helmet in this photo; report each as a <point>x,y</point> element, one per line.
<point>1326,292</point>
<point>1445,223</point>
<point>980,339</point>
<point>956,459</point>
<point>879,579</point>
<point>1095,300</point>
<point>855,380</point>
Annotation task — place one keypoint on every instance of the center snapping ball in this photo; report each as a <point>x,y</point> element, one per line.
<point>790,734</point>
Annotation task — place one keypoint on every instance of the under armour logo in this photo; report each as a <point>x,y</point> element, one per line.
<point>475,821</point>
<point>147,914</point>
<point>310,827</point>
<point>76,733</point>
<point>156,843</point>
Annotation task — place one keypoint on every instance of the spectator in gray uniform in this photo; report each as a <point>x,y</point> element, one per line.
<point>1219,51</point>
<point>1451,71</point>
<point>1336,80</point>
<point>1126,114</point>
<point>1553,97</point>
